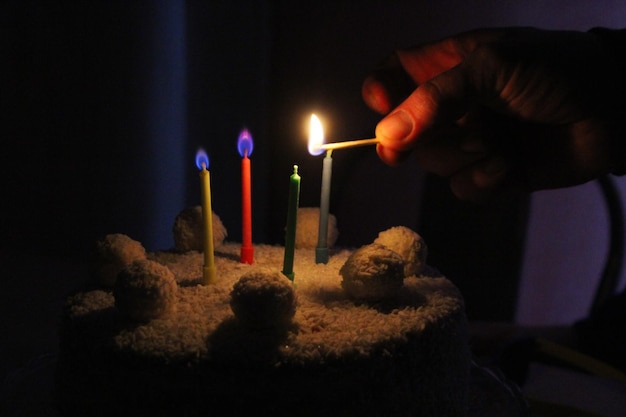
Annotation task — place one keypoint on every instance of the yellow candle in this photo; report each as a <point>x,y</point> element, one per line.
<point>208,270</point>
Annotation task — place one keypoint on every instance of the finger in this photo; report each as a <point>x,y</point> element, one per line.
<point>398,75</point>
<point>437,103</point>
<point>402,72</point>
<point>389,156</point>
<point>480,181</point>
<point>450,154</point>
<point>387,86</point>
<point>427,61</point>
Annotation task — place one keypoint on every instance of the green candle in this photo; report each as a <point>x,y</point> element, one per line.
<point>292,217</point>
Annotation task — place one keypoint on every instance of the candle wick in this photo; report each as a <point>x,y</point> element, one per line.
<point>329,153</point>
<point>245,153</point>
<point>203,165</point>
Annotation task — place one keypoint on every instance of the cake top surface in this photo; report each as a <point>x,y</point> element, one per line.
<point>328,324</point>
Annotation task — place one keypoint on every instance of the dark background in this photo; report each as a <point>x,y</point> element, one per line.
<point>104,104</point>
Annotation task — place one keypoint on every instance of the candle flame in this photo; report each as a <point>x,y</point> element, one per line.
<point>316,136</point>
<point>245,143</point>
<point>202,158</point>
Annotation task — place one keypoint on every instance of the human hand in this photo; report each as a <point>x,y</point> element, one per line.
<point>515,107</point>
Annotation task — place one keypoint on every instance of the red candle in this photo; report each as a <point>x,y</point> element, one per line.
<point>244,146</point>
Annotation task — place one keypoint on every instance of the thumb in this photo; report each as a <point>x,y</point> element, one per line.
<point>439,102</point>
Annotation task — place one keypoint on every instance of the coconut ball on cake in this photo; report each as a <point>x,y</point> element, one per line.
<point>263,299</point>
<point>114,253</point>
<point>307,227</point>
<point>373,272</point>
<point>408,244</point>
<point>188,230</point>
<point>145,290</point>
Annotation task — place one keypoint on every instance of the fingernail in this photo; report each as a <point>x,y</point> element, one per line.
<point>397,126</point>
<point>473,145</point>
<point>389,156</point>
<point>494,166</point>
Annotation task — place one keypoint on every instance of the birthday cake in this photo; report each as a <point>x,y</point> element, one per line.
<point>374,332</point>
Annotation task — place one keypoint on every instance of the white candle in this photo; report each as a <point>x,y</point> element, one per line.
<point>321,250</point>
<point>316,141</point>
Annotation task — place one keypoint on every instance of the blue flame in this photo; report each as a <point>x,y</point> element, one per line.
<point>202,158</point>
<point>244,143</point>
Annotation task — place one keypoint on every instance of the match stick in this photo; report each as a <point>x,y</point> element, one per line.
<point>348,144</point>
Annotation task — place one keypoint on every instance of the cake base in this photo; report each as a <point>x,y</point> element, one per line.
<point>402,357</point>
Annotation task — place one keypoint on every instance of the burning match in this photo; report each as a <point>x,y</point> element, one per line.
<point>348,144</point>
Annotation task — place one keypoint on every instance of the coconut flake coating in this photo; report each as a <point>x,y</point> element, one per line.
<point>308,227</point>
<point>114,253</point>
<point>408,244</point>
<point>145,290</point>
<point>373,272</point>
<point>339,356</point>
<point>187,230</point>
<point>263,299</point>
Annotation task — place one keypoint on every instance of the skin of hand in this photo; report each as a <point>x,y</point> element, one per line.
<point>506,107</point>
